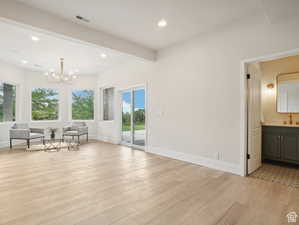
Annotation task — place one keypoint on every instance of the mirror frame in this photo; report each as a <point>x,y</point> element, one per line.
<point>276,95</point>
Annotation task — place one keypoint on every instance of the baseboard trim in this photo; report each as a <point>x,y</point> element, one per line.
<point>108,139</point>
<point>5,144</point>
<point>198,160</point>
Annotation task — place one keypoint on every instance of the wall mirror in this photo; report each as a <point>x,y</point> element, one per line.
<point>287,94</point>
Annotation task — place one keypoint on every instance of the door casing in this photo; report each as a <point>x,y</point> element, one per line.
<point>244,105</point>
<point>131,90</point>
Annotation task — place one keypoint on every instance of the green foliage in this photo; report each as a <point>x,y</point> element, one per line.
<point>139,120</point>
<point>139,116</point>
<point>82,107</point>
<point>45,104</point>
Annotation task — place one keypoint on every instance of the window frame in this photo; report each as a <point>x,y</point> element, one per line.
<point>17,116</point>
<point>102,103</point>
<point>71,104</point>
<point>59,106</point>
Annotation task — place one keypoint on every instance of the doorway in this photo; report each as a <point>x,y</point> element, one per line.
<point>272,151</point>
<point>133,117</point>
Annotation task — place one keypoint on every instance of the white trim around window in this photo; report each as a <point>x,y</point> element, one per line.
<point>101,103</point>
<point>17,110</point>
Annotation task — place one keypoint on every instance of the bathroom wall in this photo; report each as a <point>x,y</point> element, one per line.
<point>270,69</point>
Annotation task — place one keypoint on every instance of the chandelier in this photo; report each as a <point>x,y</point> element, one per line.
<point>61,77</point>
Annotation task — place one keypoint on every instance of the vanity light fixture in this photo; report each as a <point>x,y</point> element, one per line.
<point>270,86</point>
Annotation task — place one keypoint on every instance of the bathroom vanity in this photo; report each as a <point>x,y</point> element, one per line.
<point>280,140</point>
<point>280,143</point>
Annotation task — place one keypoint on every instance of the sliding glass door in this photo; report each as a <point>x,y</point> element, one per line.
<point>133,117</point>
<point>126,117</point>
<point>139,117</point>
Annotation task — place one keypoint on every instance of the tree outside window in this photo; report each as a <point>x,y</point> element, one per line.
<point>45,104</point>
<point>7,102</point>
<point>83,105</point>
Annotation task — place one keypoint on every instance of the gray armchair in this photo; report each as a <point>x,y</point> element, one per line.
<point>21,131</point>
<point>77,129</point>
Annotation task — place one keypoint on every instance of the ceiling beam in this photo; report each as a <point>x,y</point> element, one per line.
<point>38,19</point>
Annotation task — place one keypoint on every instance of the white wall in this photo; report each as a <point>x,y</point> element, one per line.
<point>26,80</point>
<point>195,91</point>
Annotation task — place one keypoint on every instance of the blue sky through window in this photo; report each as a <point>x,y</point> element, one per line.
<point>139,96</point>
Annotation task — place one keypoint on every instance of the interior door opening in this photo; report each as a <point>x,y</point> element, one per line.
<point>273,120</point>
<point>133,118</point>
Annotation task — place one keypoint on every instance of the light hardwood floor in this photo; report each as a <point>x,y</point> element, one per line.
<point>109,184</point>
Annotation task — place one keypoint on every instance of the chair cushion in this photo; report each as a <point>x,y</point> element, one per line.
<point>78,124</point>
<point>20,126</point>
<point>71,133</point>
<point>36,135</point>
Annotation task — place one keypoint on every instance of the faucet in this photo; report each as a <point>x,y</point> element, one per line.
<point>291,118</point>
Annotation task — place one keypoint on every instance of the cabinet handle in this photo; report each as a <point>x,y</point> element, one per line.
<point>281,137</point>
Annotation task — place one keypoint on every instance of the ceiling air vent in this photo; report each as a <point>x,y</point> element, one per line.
<point>82,19</point>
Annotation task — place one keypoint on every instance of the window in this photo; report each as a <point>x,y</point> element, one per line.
<point>108,97</point>
<point>7,102</point>
<point>82,105</point>
<point>45,104</point>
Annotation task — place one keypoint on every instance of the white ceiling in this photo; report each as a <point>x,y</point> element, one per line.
<point>16,45</point>
<point>136,20</point>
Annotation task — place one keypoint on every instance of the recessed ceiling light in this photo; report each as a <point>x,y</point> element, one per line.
<point>103,55</point>
<point>162,23</point>
<point>34,38</point>
<point>24,61</point>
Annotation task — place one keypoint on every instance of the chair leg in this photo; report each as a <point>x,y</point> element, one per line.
<point>28,143</point>
<point>87,137</point>
<point>10,143</point>
<point>43,139</point>
<point>78,139</point>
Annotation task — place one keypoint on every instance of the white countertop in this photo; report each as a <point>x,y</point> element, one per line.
<point>279,124</point>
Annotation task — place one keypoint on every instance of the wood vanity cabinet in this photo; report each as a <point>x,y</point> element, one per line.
<point>280,143</point>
